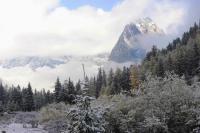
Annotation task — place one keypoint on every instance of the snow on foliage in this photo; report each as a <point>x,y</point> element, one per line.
<point>163,105</point>
<point>85,119</point>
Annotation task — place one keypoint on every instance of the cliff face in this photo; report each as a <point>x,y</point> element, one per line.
<point>128,47</point>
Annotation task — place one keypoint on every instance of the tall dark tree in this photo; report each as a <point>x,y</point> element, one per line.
<point>99,83</point>
<point>116,84</point>
<point>196,57</point>
<point>78,88</point>
<point>104,78</point>
<point>2,94</point>
<point>125,80</point>
<point>160,68</point>
<point>57,90</point>
<point>110,77</point>
<point>185,38</point>
<point>28,101</point>
<point>154,51</point>
<point>71,91</point>
<point>15,98</point>
<point>48,97</point>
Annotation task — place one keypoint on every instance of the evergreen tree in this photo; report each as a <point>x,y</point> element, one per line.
<point>2,94</point>
<point>99,83</point>
<point>160,69</point>
<point>154,51</point>
<point>15,98</point>
<point>48,97</point>
<point>71,91</point>
<point>92,87</point>
<point>29,98</point>
<point>57,90</point>
<point>180,63</point>
<point>104,79</point>
<point>196,57</point>
<point>110,77</point>
<point>78,88</point>
<point>125,80</point>
<point>116,84</point>
<point>185,38</point>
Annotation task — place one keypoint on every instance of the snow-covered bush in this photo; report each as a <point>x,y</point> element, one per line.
<point>53,111</point>
<point>84,119</point>
<point>163,105</point>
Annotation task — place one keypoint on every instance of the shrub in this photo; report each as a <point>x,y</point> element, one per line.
<point>53,112</point>
<point>163,105</point>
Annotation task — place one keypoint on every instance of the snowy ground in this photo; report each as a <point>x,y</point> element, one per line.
<point>14,123</point>
<point>18,128</point>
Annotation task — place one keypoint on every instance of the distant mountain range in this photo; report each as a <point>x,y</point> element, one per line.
<point>129,46</point>
<point>35,62</point>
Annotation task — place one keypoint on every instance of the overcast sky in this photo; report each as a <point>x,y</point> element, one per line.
<point>80,27</point>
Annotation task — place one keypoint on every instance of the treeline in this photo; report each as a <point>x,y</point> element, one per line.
<point>182,56</point>
<point>23,99</point>
<point>114,82</point>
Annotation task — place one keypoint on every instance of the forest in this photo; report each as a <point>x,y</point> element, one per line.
<point>161,95</point>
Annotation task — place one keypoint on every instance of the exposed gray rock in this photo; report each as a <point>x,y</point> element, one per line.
<point>129,47</point>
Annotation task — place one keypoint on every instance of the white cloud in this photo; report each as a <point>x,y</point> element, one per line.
<point>45,77</point>
<point>32,26</point>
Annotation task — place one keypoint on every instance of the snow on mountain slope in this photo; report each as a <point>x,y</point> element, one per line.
<point>130,46</point>
<point>35,62</point>
<point>32,62</point>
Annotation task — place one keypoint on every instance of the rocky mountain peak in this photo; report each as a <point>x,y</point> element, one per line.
<point>128,46</point>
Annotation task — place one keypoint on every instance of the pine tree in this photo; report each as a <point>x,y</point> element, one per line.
<point>92,87</point>
<point>104,79</point>
<point>29,98</point>
<point>195,58</point>
<point>110,77</point>
<point>57,90</point>
<point>185,38</point>
<point>78,88</point>
<point>125,80</point>
<point>71,91</point>
<point>160,69</point>
<point>15,97</point>
<point>2,94</point>
<point>116,84</point>
<point>154,51</point>
<point>99,83</point>
<point>180,63</point>
<point>48,97</point>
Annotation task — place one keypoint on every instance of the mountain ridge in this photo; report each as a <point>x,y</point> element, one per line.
<point>128,46</point>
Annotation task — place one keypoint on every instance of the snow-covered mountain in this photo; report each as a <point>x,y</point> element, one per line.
<point>32,61</point>
<point>130,46</point>
<point>35,62</point>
